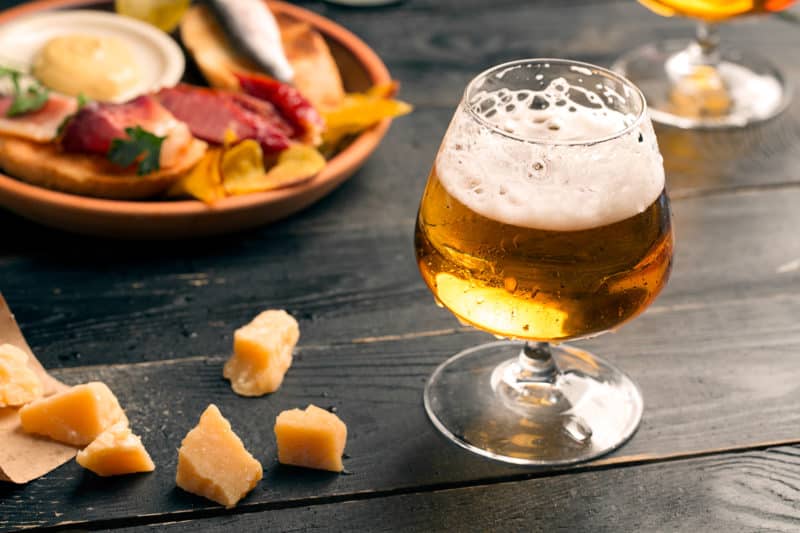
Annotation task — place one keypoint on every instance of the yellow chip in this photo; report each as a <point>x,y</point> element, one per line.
<point>295,164</point>
<point>204,181</point>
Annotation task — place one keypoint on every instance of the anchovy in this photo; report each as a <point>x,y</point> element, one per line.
<point>253,29</point>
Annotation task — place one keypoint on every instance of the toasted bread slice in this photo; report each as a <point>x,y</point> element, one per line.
<point>89,175</point>
<point>316,74</point>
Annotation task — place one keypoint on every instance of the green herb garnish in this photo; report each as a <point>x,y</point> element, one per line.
<point>140,145</point>
<point>83,100</point>
<point>24,100</point>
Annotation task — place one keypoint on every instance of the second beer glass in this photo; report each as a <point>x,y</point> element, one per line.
<point>544,219</point>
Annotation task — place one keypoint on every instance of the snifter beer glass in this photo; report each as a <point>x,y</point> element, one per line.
<point>544,219</point>
<point>703,84</point>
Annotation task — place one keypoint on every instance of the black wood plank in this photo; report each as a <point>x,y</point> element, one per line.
<point>716,358</point>
<point>86,301</point>
<point>747,492</point>
<point>128,303</point>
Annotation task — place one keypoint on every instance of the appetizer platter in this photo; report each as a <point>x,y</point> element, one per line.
<point>248,112</point>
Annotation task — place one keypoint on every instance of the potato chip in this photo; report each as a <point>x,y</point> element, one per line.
<point>297,163</point>
<point>359,111</point>
<point>204,181</point>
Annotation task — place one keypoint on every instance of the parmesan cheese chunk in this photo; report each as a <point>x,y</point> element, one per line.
<point>213,462</point>
<point>19,384</point>
<point>76,416</point>
<point>313,438</point>
<point>262,353</point>
<point>116,451</point>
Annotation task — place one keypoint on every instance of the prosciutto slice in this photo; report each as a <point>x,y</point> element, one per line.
<point>40,125</point>
<point>96,125</point>
<point>210,113</point>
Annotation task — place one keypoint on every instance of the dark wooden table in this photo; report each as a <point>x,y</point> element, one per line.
<point>717,356</point>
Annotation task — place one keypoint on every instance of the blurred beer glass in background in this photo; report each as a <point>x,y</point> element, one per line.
<point>703,85</point>
<point>544,219</point>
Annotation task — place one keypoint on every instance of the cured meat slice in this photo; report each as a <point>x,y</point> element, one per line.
<point>96,125</point>
<point>40,125</point>
<point>211,113</point>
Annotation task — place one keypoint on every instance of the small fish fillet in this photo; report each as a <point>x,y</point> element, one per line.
<point>251,25</point>
<point>41,125</point>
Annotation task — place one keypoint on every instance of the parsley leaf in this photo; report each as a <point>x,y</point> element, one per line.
<point>24,100</point>
<point>141,145</point>
<point>28,101</point>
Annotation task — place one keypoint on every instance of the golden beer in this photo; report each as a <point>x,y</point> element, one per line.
<point>715,10</point>
<point>537,284</point>
<point>544,218</point>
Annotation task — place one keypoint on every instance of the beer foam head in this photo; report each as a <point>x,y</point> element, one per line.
<point>560,158</point>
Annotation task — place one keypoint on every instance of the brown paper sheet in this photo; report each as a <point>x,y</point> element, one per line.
<point>25,457</point>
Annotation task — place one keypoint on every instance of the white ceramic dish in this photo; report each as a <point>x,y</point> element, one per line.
<point>159,58</point>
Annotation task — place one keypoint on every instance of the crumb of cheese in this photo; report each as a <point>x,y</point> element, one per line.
<point>19,384</point>
<point>313,438</point>
<point>116,451</point>
<point>262,353</point>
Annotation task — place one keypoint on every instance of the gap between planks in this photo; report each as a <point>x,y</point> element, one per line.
<point>593,466</point>
<point>655,309</point>
<point>299,349</point>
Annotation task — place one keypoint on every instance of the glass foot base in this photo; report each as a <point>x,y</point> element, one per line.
<point>478,400</point>
<point>739,89</point>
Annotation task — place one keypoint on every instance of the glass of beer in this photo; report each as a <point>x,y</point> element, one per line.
<point>544,219</point>
<point>704,85</point>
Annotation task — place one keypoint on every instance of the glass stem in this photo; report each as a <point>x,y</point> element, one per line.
<point>536,364</point>
<point>707,50</point>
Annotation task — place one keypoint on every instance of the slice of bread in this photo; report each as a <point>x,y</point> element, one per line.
<point>89,175</point>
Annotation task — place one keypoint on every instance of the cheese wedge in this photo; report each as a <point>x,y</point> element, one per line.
<point>213,462</point>
<point>76,416</point>
<point>19,384</point>
<point>314,438</point>
<point>262,353</point>
<point>116,451</point>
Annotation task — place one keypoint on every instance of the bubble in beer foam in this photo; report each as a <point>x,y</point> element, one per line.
<point>538,174</point>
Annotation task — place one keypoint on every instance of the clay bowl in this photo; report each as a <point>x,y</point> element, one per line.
<point>360,68</point>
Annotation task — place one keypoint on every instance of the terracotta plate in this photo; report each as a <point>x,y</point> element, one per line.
<point>360,68</point>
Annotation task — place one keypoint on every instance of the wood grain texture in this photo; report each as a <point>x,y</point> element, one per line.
<point>391,446</point>
<point>128,302</point>
<point>716,358</point>
<point>99,301</point>
<point>736,493</point>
